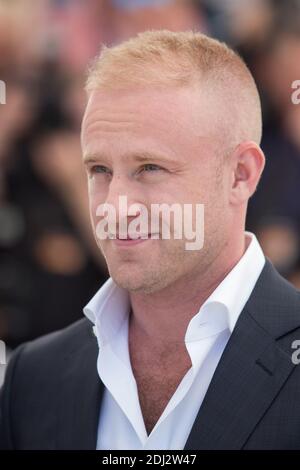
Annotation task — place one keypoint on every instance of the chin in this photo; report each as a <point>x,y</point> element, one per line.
<point>130,284</point>
<point>143,284</point>
<point>136,282</point>
<point>124,277</point>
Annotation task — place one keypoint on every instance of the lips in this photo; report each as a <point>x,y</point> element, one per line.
<point>133,236</point>
<point>130,241</point>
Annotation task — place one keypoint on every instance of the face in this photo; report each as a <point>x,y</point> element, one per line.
<point>154,147</point>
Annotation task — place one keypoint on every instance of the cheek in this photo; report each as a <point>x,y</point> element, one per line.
<point>94,202</point>
<point>93,186</point>
<point>96,196</point>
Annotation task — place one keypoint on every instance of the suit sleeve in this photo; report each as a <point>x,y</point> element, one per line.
<point>6,401</point>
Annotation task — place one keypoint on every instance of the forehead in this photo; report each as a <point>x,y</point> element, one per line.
<point>176,118</point>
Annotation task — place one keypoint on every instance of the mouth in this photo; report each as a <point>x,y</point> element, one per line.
<point>133,240</point>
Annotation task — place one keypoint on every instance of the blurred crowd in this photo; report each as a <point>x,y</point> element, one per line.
<point>49,263</point>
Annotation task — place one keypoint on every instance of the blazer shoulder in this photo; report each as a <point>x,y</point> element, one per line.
<point>43,356</point>
<point>61,342</point>
<point>33,376</point>
<point>275,302</point>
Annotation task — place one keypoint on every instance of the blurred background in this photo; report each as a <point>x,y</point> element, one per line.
<point>49,263</point>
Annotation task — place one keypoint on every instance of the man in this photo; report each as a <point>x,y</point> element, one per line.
<point>190,348</point>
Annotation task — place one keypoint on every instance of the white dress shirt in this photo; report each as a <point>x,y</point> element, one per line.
<point>121,424</point>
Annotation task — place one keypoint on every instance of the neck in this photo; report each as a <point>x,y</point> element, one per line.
<point>162,318</point>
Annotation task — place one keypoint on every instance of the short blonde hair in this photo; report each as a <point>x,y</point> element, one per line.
<point>165,58</point>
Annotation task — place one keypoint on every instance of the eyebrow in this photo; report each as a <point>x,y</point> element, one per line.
<point>140,157</point>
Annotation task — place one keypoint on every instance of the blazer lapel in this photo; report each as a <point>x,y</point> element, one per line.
<point>81,395</point>
<point>250,373</point>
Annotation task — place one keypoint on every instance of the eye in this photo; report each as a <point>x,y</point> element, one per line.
<point>100,169</point>
<point>149,167</point>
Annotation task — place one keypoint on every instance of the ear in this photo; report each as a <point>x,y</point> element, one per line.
<point>247,164</point>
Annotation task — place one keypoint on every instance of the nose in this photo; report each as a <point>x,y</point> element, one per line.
<point>124,197</point>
